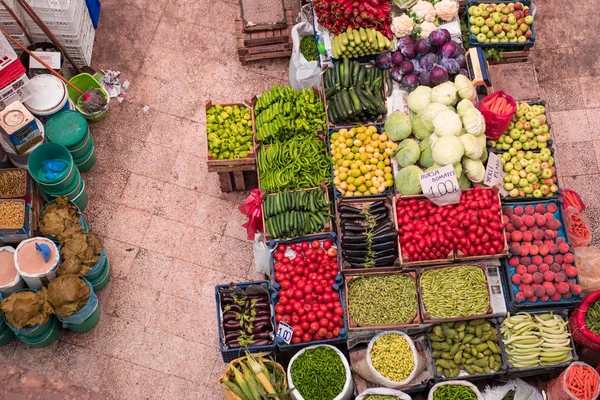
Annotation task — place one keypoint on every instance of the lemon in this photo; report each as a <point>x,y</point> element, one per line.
<point>388,177</point>
<point>342,146</point>
<point>370,149</point>
<point>345,151</point>
<point>346,163</point>
<point>336,172</point>
<point>339,162</point>
<point>368,176</point>
<point>338,156</point>
<point>336,181</point>
<point>383,137</point>
<point>387,170</point>
<point>361,129</point>
<point>375,136</point>
<point>355,173</point>
<point>343,186</point>
<point>343,176</point>
<point>364,157</point>
<point>382,146</point>
<point>378,172</point>
<point>361,188</point>
<point>355,149</point>
<point>350,156</point>
<point>373,190</point>
<point>387,161</point>
<point>350,180</point>
<point>344,169</point>
<point>359,163</point>
<point>364,169</point>
<point>348,194</point>
<point>389,182</point>
<point>351,188</point>
<point>335,135</point>
<point>374,160</point>
<point>361,137</point>
<point>381,189</point>
<point>357,142</point>
<point>368,183</point>
<point>349,142</point>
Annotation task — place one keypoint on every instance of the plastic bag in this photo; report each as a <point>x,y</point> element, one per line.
<point>558,389</point>
<point>522,391</point>
<point>581,333</point>
<point>252,208</point>
<point>571,198</point>
<point>578,227</point>
<point>496,124</point>
<point>52,169</point>
<point>587,260</point>
<point>303,74</point>
<point>385,392</point>
<point>455,383</point>
<point>366,369</point>
<point>261,255</point>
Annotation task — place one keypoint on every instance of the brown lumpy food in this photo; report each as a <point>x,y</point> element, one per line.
<point>68,294</point>
<point>24,310</point>
<point>79,253</point>
<point>60,220</point>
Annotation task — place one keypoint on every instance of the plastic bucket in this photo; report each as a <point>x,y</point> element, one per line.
<point>99,269</point>
<point>71,191</point>
<point>85,319</point>
<point>102,280</point>
<point>70,129</point>
<point>50,96</point>
<point>6,335</point>
<point>81,200</point>
<point>35,333</point>
<point>85,164</point>
<point>84,82</point>
<point>45,339</point>
<point>87,325</point>
<point>83,148</point>
<point>82,222</point>
<point>36,281</point>
<point>16,284</point>
<point>45,46</point>
<point>19,160</point>
<point>51,151</point>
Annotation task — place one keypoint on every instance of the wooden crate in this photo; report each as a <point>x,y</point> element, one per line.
<point>266,43</point>
<point>248,6</point>
<point>238,181</point>
<point>511,57</point>
<point>230,165</point>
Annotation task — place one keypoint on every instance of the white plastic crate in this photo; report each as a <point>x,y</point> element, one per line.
<point>7,54</point>
<point>66,27</point>
<point>21,39</point>
<point>81,37</point>
<point>55,10</point>
<point>20,89</point>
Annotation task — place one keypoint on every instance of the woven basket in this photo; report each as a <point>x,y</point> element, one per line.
<point>229,395</point>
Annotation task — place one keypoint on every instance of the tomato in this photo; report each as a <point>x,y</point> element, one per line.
<point>314,326</point>
<point>320,314</point>
<point>286,284</point>
<point>336,319</point>
<point>278,256</point>
<point>324,322</point>
<point>283,300</point>
<point>305,325</point>
<point>287,319</point>
<point>311,317</point>
<point>308,289</point>
<point>319,289</point>
<point>330,326</point>
<point>278,317</point>
<point>306,337</point>
<point>315,244</point>
<point>327,244</point>
<point>332,252</point>
<point>295,319</point>
<point>327,298</point>
<point>322,332</point>
<point>335,296</point>
<point>296,339</point>
<point>339,311</point>
<point>288,309</point>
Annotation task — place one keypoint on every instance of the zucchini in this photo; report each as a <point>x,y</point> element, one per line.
<point>330,91</point>
<point>389,83</point>
<point>346,101</point>
<point>356,67</point>
<point>355,101</point>
<point>347,72</point>
<point>336,77</point>
<point>366,104</point>
<point>350,34</point>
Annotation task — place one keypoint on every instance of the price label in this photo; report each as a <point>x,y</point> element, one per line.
<point>285,332</point>
<point>441,186</point>
<point>494,173</point>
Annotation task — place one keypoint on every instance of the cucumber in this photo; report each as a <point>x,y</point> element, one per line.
<point>370,36</point>
<point>377,102</point>
<point>366,104</point>
<point>356,67</point>
<point>340,110</point>
<point>346,101</point>
<point>380,40</point>
<point>347,72</point>
<point>344,38</point>
<point>361,77</point>
<point>356,106</point>
<point>336,76</point>
<point>389,83</point>
<point>331,113</point>
<point>357,37</point>
<point>328,78</point>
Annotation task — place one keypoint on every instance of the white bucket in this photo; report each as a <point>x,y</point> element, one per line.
<point>51,96</point>
<point>19,160</point>
<point>36,281</point>
<point>347,391</point>
<point>17,283</point>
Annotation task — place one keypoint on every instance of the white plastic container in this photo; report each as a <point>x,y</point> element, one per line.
<point>347,391</point>
<point>50,96</point>
<point>20,89</point>
<point>17,283</point>
<point>36,281</point>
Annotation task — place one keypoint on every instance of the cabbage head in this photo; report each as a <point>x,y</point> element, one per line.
<point>447,123</point>
<point>433,167</point>
<point>430,112</point>
<point>408,153</point>
<point>397,126</point>
<point>408,180</point>
<point>474,169</point>
<point>458,169</point>
<point>418,127</point>
<point>472,121</point>
<point>444,93</point>
<point>447,150</point>
<point>484,155</point>
<point>419,98</point>
<point>464,87</point>
<point>464,182</point>
<point>463,106</point>
<point>426,159</point>
<point>472,147</point>
<point>482,140</point>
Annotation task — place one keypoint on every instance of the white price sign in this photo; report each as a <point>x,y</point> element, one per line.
<point>441,186</point>
<point>494,173</point>
<point>285,332</point>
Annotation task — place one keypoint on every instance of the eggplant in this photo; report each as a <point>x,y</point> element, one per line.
<point>230,316</point>
<point>231,325</point>
<point>356,265</point>
<point>264,318</point>
<point>262,342</point>
<point>233,344</point>
<point>261,327</point>
<point>227,300</point>
<point>232,335</point>
<point>356,253</point>
<point>233,307</point>
<point>377,203</point>
<point>353,228</point>
<point>385,261</point>
<point>382,226</point>
<point>262,306</point>
<point>258,296</point>
<point>354,246</point>
<point>355,238</point>
<point>385,253</point>
<point>348,209</point>
<point>354,260</point>
<point>379,211</point>
<point>381,217</point>
<point>262,313</point>
<point>262,336</point>
<point>384,246</point>
<point>349,216</point>
<point>385,237</point>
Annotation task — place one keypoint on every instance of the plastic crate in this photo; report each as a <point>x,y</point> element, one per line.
<point>437,377</point>
<point>20,89</point>
<point>93,7</point>
<point>229,355</point>
<point>473,40</point>
<point>69,26</point>
<point>69,33</point>
<point>55,10</point>
<point>281,345</point>
<point>10,65</point>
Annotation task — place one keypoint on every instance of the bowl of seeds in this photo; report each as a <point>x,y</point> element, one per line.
<point>12,215</point>
<point>13,183</point>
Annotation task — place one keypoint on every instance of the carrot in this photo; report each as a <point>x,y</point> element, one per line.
<point>502,105</point>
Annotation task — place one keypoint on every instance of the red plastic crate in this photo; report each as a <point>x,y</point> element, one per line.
<point>10,71</point>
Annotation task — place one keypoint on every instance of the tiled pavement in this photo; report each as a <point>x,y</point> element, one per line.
<point>170,233</point>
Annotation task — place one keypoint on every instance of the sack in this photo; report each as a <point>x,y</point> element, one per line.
<point>578,227</point>
<point>580,332</point>
<point>454,383</point>
<point>587,260</point>
<point>365,368</point>
<point>522,391</point>
<point>558,389</point>
<point>261,255</point>
<point>496,124</point>
<point>384,392</point>
<point>570,198</point>
<point>303,74</point>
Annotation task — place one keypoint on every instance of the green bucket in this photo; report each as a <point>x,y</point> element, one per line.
<point>86,163</point>
<point>45,339</point>
<point>82,222</point>
<point>84,82</point>
<point>71,191</point>
<point>36,332</point>
<point>81,200</point>
<point>6,335</point>
<point>87,325</point>
<point>52,151</point>
<point>101,281</point>
<point>99,269</point>
<point>70,129</point>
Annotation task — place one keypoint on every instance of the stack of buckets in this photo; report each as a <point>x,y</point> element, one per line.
<point>70,129</point>
<point>68,183</point>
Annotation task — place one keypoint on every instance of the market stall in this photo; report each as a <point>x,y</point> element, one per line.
<point>418,240</point>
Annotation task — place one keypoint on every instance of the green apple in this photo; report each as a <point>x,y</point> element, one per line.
<point>490,34</point>
<point>510,34</point>
<point>476,11</point>
<point>518,145</point>
<point>497,17</point>
<point>508,140</point>
<point>481,38</point>
<point>491,8</point>
<point>529,20</point>
<point>503,40</point>
<point>535,168</point>
<point>472,19</point>
<point>501,35</point>
<point>509,186</point>
<point>514,179</point>
<point>484,29</point>
<point>544,128</point>
<point>505,27</point>
<point>497,29</point>
<point>485,14</point>
<point>508,167</point>
<point>523,28</point>
<point>479,21</point>
<point>519,33</point>
<point>505,10</point>
<point>512,19</point>
<point>513,40</point>
<point>554,188</point>
<point>535,123</point>
<point>475,29</point>
<point>489,22</point>
<point>546,173</point>
<point>512,151</point>
<point>523,182</point>
<point>515,133</point>
<point>522,39</point>
<point>514,193</point>
<point>537,193</point>
<point>529,115</point>
<point>545,189</point>
<point>528,189</point>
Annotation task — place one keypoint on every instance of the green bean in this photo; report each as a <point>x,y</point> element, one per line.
<point>592,317</point>
<point>318,374</point>
<point>387,299</point>
<point>454,392</point>
<point>455,292</point>
<point>308,48</point>
<point>379,397</point>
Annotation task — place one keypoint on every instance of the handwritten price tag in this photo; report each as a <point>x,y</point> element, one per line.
<point>285,332</point>
<point>441,186</point>
<point>494,173</point>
